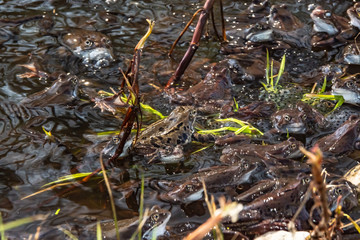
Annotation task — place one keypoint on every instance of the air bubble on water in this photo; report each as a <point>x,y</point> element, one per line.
<point>311,7</point>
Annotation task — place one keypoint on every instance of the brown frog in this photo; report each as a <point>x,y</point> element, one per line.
<point>216,178</point>
<point>354,15</point>
<point>281,202</point>
<point>282,19</point>
<point>62,91</point>
<point>287,149</point>
<point>164,139</point>
<point>154,225</point>
<point>347,87</point>
<point>255,110</point>
<point>94,48</point>
<point>351,54</point>
<point>212,94</point>
<point>284,30</point>
<point>331,29</point>
<point>344,140</point>
<point>298,120</point>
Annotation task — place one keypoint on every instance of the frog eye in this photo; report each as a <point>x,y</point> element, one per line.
<point>189,187</point>
<point>306,180</point>
<point>327,15</point>
<point>350,84</point>
<point>240,187</point>
<point>293,146</point>
<point>116,139</point>
<point>155,217</point>
<point>328,104</point>
<point>88,43</point>
<point>287,118</point>
<point>338,191</point>
<point>246,166</point>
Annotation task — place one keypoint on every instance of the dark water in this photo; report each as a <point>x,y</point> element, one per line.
<point>28,161</point>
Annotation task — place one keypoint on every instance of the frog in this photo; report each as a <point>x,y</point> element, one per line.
<point>154,225</point>
<point>282,30</point>
<point>212,94</point>
<point>287,27</point>
<point>164,139</point>
<point>286,149</point>
<point>254,110</point>
<point>301,119</point>
<point>350,54</point>
<point>62,91</point>
<point>348,88</point>
<point>344,140</point>
<point>260,188</point>
<point>92,47</point>
<point>215,178</point>
<point>270,204</point>
<point>342,187</point>
<point>281,203</point>
<point>354,13</point>
<point>330,29</point>
<point>353,176</point>
<point>256,11</point>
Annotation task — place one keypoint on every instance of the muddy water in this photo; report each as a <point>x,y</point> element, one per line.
<point>27,161</point>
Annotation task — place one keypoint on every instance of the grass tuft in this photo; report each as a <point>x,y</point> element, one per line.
<point>270,86</point>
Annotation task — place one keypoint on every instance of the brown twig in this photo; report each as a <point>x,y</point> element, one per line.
<point>318,186</point>
<point>183,31</point>
<point>184,63</point>
<point>222,21</point>
<point>213,24</point>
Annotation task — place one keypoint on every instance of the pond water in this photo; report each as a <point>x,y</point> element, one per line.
<point>28,160</point>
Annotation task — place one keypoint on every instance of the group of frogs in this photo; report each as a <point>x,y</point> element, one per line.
<point>266,173</point>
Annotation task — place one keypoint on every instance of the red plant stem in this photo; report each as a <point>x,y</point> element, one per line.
<point>222,21</point>
<point>193,45</point>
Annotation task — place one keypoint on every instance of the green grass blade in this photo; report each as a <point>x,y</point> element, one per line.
<point>98,231</point>
<point>217,130</point>
<point>281,70</point>
<point>238,121</point>
<point>70,177</point>
<point>353,222</point>
<point>151,110</point>
<point>2,231</point>
<point>236,105</point>
<point>141,207</point>
<point>323,86</point>
<point>201,149</point>
<point>267,71</point>
<point>69,234</point>
<point>272,75</point>
<point>17,223</point>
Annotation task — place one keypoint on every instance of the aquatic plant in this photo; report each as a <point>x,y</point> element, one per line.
<point>144,107</point>
<point>314,98</point>
<point>246,128</point>
<point>271,86</point>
